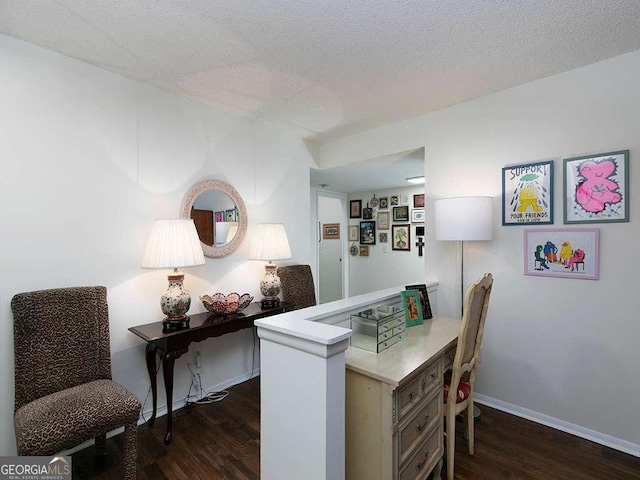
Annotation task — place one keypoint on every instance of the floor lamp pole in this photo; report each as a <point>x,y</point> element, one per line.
<point>461,278</point>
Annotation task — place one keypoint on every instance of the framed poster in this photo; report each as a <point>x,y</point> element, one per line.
<point>527,194</point>
<point>401,237</point>
<point>596,188</point>
<point>231,215</point>
<point>330,231</point>
<point>401,214</point>
<point>367,233</point>
<point>424,299</point>
<point>412,308</point>
<point>355,208</point>
<point>383,220</point>
<point>353,233</point>
<point>562,252</point>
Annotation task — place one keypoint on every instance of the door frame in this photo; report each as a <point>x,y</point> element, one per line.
<point>344,229</point>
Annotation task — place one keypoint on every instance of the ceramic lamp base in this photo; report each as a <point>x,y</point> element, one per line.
<point>270,287</point>
<point>175,302</point>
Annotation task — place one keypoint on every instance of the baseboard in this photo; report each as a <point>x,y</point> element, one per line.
<point>577,430</point>
<point>180,403</point>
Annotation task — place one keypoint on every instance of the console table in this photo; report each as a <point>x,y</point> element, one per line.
<point>172,343</point>
<point>394,404</point>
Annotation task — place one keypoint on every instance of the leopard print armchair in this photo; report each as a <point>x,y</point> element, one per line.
<point>64,394</point>
<point>297,285</point>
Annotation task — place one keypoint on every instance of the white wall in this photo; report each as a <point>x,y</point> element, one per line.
<point>560,350</point>
<point>89,159</point>
<point>385,267</point>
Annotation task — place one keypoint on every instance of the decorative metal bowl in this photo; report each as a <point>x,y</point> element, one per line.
<point>222,304</point>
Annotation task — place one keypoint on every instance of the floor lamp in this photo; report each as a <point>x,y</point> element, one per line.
<point>463,219</point>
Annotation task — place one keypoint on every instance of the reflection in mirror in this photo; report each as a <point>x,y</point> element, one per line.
<point>219,214</point>
<point>216,217</point>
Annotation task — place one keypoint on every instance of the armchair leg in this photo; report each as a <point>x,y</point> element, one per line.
<point>101,445</point>
<point>130,452</point>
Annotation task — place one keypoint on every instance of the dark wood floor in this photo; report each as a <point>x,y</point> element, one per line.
<point>222,441</point>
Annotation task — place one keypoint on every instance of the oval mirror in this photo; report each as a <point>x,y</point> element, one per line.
<point>220,216</point>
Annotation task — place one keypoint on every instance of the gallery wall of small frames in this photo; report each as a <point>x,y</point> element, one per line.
<point>395,220</point>
<point>595,190</point>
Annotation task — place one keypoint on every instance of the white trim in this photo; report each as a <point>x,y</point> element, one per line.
<point>577,430</point>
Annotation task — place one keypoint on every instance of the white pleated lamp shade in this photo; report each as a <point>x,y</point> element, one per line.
<point>464,218</point>
<point>270,243</point>
<point>173,243</point>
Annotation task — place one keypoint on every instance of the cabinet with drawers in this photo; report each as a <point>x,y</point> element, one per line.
<point>377,328</point>
<point>394,407</point>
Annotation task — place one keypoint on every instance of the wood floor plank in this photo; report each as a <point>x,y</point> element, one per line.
<point>221,441</point>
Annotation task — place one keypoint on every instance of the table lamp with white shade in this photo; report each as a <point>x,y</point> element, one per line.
<point>270,243</point>
<point>463,219</point>
<point>174,243</point>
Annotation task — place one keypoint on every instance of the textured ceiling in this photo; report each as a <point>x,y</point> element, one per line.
<point>330,68</point>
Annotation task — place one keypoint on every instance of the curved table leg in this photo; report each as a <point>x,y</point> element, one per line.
<point>168,361</point>
<point>150,356</point>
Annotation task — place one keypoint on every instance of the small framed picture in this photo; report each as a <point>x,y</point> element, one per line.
<point>412,308</point>
<point>383,220</point>
<point>384,203</point>
<point>419,231</point>
<point>401,214</point>
<point>596,188</point>
<point>330,231</point>
<point>355,209</point>
<point>219,216</point>
<point>231,215</point>
<point>562,252</point>
<point>364,250</point>
<point>384,237</point>
<point>401,237</point>
<point>424,299</point>
<point>395,200</point>
<point>367,213</point>
<point>418,200</point>
<point>353,250</point>
<point>404,199</point>
<point>367,233</point>
<point>417,215</point>
<point>527,194</point>
<point>353,233</point>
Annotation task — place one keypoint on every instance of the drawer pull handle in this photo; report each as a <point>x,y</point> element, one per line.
<point>433,375</point>
<point>423,386</point>
<point>420,426</point>
<point>421,464</point>
<point>412,396</point>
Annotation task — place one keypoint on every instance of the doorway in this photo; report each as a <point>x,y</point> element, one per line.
<point>331,250</point>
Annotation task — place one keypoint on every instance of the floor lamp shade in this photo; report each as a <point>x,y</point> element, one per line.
<point>464,218</point>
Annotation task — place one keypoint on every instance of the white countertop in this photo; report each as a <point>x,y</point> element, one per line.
<point>422,344</point>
